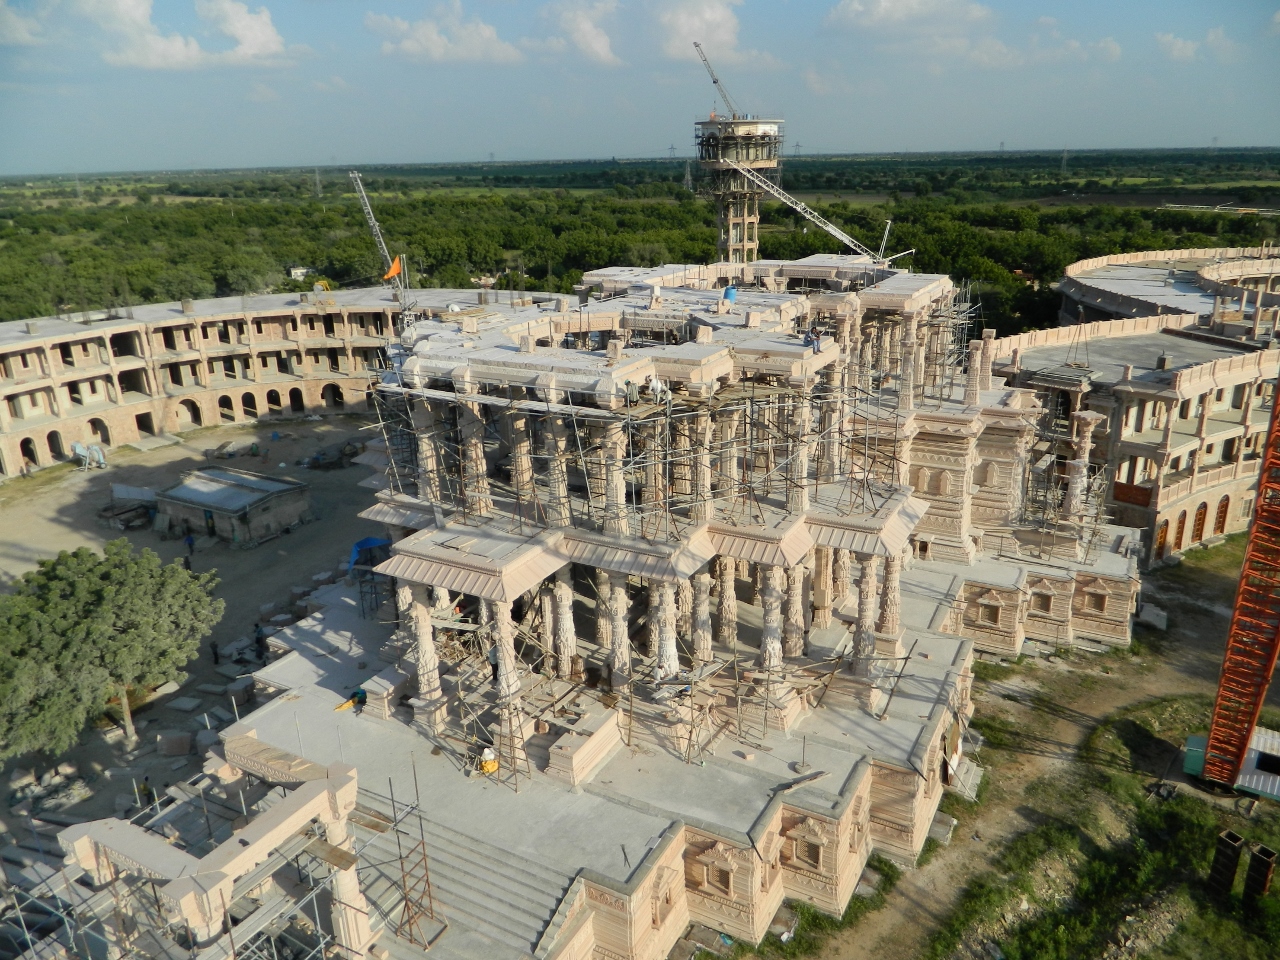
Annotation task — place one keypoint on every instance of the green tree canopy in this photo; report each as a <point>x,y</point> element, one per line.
<point>83,628</point>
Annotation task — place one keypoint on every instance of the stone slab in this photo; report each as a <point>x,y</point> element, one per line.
<point>185,704</point>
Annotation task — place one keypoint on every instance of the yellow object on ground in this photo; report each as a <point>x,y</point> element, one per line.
<point>488,766</point>
<point>344,705</point>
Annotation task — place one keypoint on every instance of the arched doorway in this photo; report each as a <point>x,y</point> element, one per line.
<point>1162,537</point>
<point>1197,528</point>
<point>55,445</point>
<point>1182,528</point>
<point>273,402</point>
<point>189,414</point>
<point>332,396</point>
<point>226,409</point>
<point>1220,521</point>
<point>295,401</point>
<point>100,431</point>
<point>250,404</point>
<point>28,450</point>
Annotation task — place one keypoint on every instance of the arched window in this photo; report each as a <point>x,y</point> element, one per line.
<point>249,403</point>
<point>1220,521</point>
<point>1197,528</point>
<point>55,445</point>
<point>1162,536</point>
<point>1182,528</point>
<point>227,409</point>
<point>100,431</point>
<point>295,401</point>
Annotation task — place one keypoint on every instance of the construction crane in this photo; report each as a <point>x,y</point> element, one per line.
<point>1253,642</point>
<point>394,267</point>
<point>724,94</point>
<point>771,188</point>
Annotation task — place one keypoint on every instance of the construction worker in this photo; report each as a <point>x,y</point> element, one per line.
<point>493,661</point>
<point>260,641</point>
<point>633,394</point>
<point>358,700</point>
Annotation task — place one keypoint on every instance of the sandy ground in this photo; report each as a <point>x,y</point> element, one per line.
<point>46,513</point>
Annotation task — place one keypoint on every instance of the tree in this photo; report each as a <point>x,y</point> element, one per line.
<point>81,629</point>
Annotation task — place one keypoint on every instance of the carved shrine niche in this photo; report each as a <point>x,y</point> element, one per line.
<point>807,845</point>
<point>712,871</point>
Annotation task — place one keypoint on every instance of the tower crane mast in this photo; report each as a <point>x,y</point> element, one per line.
<point>720,88</point>
<point>388,263</point>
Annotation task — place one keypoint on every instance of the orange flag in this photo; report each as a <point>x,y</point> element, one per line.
<point>395,268</point>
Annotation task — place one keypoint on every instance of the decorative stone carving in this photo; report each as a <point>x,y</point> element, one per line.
<point>771,632</point>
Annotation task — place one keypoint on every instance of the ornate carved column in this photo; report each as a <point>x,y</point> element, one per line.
<point>701,626</point>
<point>730,471</point>
<point>728,602</point>
<point>521,462</point>
<point>793,628</point>
<point>425,656</point>
<point>891,600</point>
<point>615,518</point>
<point>684,610</point>
<point>907,379</point>
<point>700,511</point>
<point>798,472</point>
<point>841,574</point>
<point>428,462</point>
<point>821,588</point>
<point>556,441</point>
<point>973,380</point>
<point>620,654</point>
<point>604,622</point>
<point>988,358</point>
<point>475,468</point>
<point>566,635</point>
<point>349,910</point>
<point>667,650</point>
<point>868,605</point>
<point>505,636</point>
<point>771,632</point>
<point>681,457</point>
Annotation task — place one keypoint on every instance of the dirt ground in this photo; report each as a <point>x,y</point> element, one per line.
<point>58,510</point>
<point>1082,691</point>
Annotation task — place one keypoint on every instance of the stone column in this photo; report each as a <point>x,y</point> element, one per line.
<point>771,632</point>
<point>349,910</point>
<point>842,573</point>
<point>729,465</point>
<point>521,461</point>
<point>907,380</point>
<point>615,518</point>
<point>475,468</point>
<point>793,628</point>
<point>441,602</point>
<point>505,636</point>
<point>701,626</point>
<point>681,465</point>
<point>566,636</point>
<point>654,477</point>
<point>821,588</point>
<point>868,605</point>
<point>701,510</point>
<point>684,610</point>
<point>620,654</point>
<point>988,358</point>
<point>891,599</point>
<point>558,514</point>
<point>428,462</point>
<point>667,651</point>
<point>973,381</point>
<point>728,602</point>
<point>798,472</point>
<point>425,656</point>
<point>547,636</point>
<point>831,419</point>
<point>604,621</point>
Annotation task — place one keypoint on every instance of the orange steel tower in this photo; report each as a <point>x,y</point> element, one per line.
<point>1254,640</point>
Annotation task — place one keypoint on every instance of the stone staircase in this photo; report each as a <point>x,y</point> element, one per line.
<point>476,886</point>
<point>966,780</point>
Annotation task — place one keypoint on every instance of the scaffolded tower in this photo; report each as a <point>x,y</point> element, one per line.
<point>751,142</point>
<point>1254,640</point>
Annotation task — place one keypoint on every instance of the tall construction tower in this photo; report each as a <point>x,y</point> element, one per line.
<point>726,144</point>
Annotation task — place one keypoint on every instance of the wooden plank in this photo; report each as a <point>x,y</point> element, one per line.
<point>334,856</point>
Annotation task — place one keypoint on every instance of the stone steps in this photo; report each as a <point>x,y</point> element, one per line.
<point>475,885</point>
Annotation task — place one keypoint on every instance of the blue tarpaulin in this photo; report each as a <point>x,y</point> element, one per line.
<point>362,549</point>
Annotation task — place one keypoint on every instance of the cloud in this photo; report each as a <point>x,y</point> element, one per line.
<point>1107,49</point>
<point>711,22</point>
<point>261,93</point>
<point>885,12</point>
<point>446,37</point>
<point>331,85</point>
<point>1275,22</point>
<point>141,43</point>
<point>580,20</point>
<point>1223,49</point>
<point>1175,48</point>
<point>17,30</point>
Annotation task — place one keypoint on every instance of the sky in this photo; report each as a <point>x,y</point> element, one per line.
<point>110,85</point>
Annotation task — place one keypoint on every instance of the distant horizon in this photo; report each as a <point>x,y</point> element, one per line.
<point>678,158</point>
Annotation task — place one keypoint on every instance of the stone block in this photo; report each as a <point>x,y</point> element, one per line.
<point>205,740</point>
<point>267,609</point>
<point>166,688</point>
<point>323,578</point>
<point>173,743</point>
<point>226,716</point>
<point>68,769</point>
<point>217,689</point>
<point>240,690</point>
<point>297,593</point>
<point>21,778</point>
<point>185,704</point>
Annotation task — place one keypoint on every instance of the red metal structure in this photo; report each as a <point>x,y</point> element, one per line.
<point>1254,639</point>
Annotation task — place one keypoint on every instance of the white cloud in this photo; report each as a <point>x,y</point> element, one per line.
<point>261,93</point>
<point>1223,49</point>
<point>580,20</point>
<point>142,44</point>
<point>884,12</point>
<point>331,85</point>
<point>1107,49</point>
<point>446,37</point>
<point>1275,22</point>
<point>711,22</point>
<point>1175,48</point>
<point>17,30</point>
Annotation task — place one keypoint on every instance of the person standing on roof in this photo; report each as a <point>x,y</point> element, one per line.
<point>493,661</point>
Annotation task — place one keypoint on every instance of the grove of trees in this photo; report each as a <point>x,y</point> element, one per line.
<point>84,629</point>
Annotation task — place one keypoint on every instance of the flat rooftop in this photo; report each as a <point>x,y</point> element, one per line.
<point>1149,282</point>
<point>1107,357</point>
<point>227,491</point>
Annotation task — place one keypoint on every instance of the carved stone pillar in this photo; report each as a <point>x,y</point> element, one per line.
<point>727,604</point>
<point>701,625</point>
<point>973,380</point>
<point>505,637</point>
<point>821,588</point>
<point>566,634</point>
<point>907,379</point>
<point>868,606</point>
<point>771,632</point>
<point>475,468</point>
<point>620,654</point>
<point>793,628</point>
<point>798,472</point>
<point>891,600</point>
<point>730,470</point>
<point>604,621</point>
<point>615,519</point>
<point>349,911</point>
<point>681,458</point>
<point>547,635</point>
<point>425,656</point>
<point>521,461</point>
<point>668,651</point>
<point>684,610</point>
<point>988,358</point>
<point>841,574</point>
<point>558,514</point>
<point>830,417</point>
<point>428,462</point>
<point>700,511</point>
